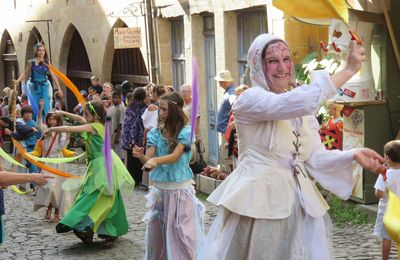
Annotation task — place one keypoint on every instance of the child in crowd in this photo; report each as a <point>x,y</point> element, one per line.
<point>78,109</point>
<point>92,93</point>
<point>116,113</point>
<point>106,102</point>
<point>51,146</point>
<point>58,102</point>
<point>24,100</point>
<point>4,106</point>
<point>26,132</point>
<point>96,208</point>
<point>331,132</point>
<point>175,215</point>
<point>389,181</point>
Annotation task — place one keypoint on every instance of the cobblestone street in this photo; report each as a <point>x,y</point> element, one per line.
<point>28,236</point>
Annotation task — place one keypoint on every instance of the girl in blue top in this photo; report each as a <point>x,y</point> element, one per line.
<point>39,85</point>
<point>174,218</point>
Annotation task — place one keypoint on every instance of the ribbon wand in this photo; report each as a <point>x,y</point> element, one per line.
<point>107,155</point>
<point>195,100</point>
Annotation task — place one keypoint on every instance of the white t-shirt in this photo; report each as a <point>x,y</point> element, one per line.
<point>393,180</point>
<point>150,118</point>
<point>381,185</point>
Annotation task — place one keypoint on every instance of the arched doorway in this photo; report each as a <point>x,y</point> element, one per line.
<point>78,66</point>
<point>34,38</point>
<point>8,62</point>
<point>124,64</point>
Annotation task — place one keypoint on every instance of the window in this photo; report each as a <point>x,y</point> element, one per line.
<point>178,53</point>
<point>250,25</point>
<point>208,24</point>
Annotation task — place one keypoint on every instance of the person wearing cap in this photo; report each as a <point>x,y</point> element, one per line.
<point>225,81</point>
<point>125,87</point>
<point>95,84</point>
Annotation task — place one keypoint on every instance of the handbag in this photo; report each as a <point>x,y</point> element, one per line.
<point>197,164</point>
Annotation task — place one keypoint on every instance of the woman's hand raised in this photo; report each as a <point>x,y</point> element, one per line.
<point>356,57</point>
<point>368,159</point>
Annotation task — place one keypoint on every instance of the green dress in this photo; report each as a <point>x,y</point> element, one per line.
<point>95,207</point>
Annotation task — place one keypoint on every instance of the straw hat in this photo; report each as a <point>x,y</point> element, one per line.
<point>224,75</point>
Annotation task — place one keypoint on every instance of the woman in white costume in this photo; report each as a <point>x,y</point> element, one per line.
<point>269,206</point>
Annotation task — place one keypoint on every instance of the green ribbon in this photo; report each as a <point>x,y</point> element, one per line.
<point>10,159</point>
<point>55,160</point>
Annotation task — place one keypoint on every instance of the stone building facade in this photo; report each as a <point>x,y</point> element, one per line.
<point>78,36</point>
<point>173,32</point>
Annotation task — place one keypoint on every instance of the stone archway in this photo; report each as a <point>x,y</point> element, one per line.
<point>34,38</point>
<point>74,55</point>
<point>123,64</point>
<point>8,61</point>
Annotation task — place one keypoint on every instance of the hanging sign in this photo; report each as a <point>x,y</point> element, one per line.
<point>125,38</point>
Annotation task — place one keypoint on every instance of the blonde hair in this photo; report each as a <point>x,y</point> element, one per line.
<point>108,84</point>
<point>240,89</point>
<point>331,102</point>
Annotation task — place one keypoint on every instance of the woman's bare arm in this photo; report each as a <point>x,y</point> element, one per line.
<point>74,117</point>
<point>25,74</point>
<point>73,129</point>
<point>10,178</point>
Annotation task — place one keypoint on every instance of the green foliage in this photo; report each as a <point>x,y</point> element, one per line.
<point>76,140</point>
<point>201,196</point>
<point>313,62</point>
<point>342,212</point>
<point>345,212</point>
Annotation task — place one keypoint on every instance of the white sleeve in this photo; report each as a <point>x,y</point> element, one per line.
<point>63,140</point>
<point>150,118</point>
<point>123,109</point>
<point>333,169</point>
<point>256,104</point>
<point>380,184</point>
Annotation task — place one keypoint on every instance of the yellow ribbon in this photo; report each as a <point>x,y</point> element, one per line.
<point>18,191</point>
<point>39,164</point>
<point>55,160</point>
<point>10,159</point>
<point>391,219</point>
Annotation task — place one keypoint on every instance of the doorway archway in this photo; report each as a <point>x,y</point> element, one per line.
<point>8,62</point>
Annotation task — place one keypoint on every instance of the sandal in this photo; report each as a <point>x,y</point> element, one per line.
<point>108,242</point>
<point>85,236</point>
<point>48,213</point>
<point>55,219</point>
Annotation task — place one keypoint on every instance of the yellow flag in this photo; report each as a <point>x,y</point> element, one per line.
<point>316,9</point>
<point>391,219</point>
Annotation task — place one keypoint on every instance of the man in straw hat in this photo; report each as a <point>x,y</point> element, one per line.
<point>225,81</point>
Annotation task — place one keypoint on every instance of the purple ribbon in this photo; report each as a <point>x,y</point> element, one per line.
<point>195,99</point>
<point>107,155</point>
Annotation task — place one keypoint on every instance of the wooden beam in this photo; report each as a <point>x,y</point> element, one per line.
<point>391,32</point>
<point>79,74</point>
<point>138,79</point>
<point>363,16</point>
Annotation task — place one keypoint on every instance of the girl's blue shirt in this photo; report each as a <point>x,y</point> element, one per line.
<point>171,172</point>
